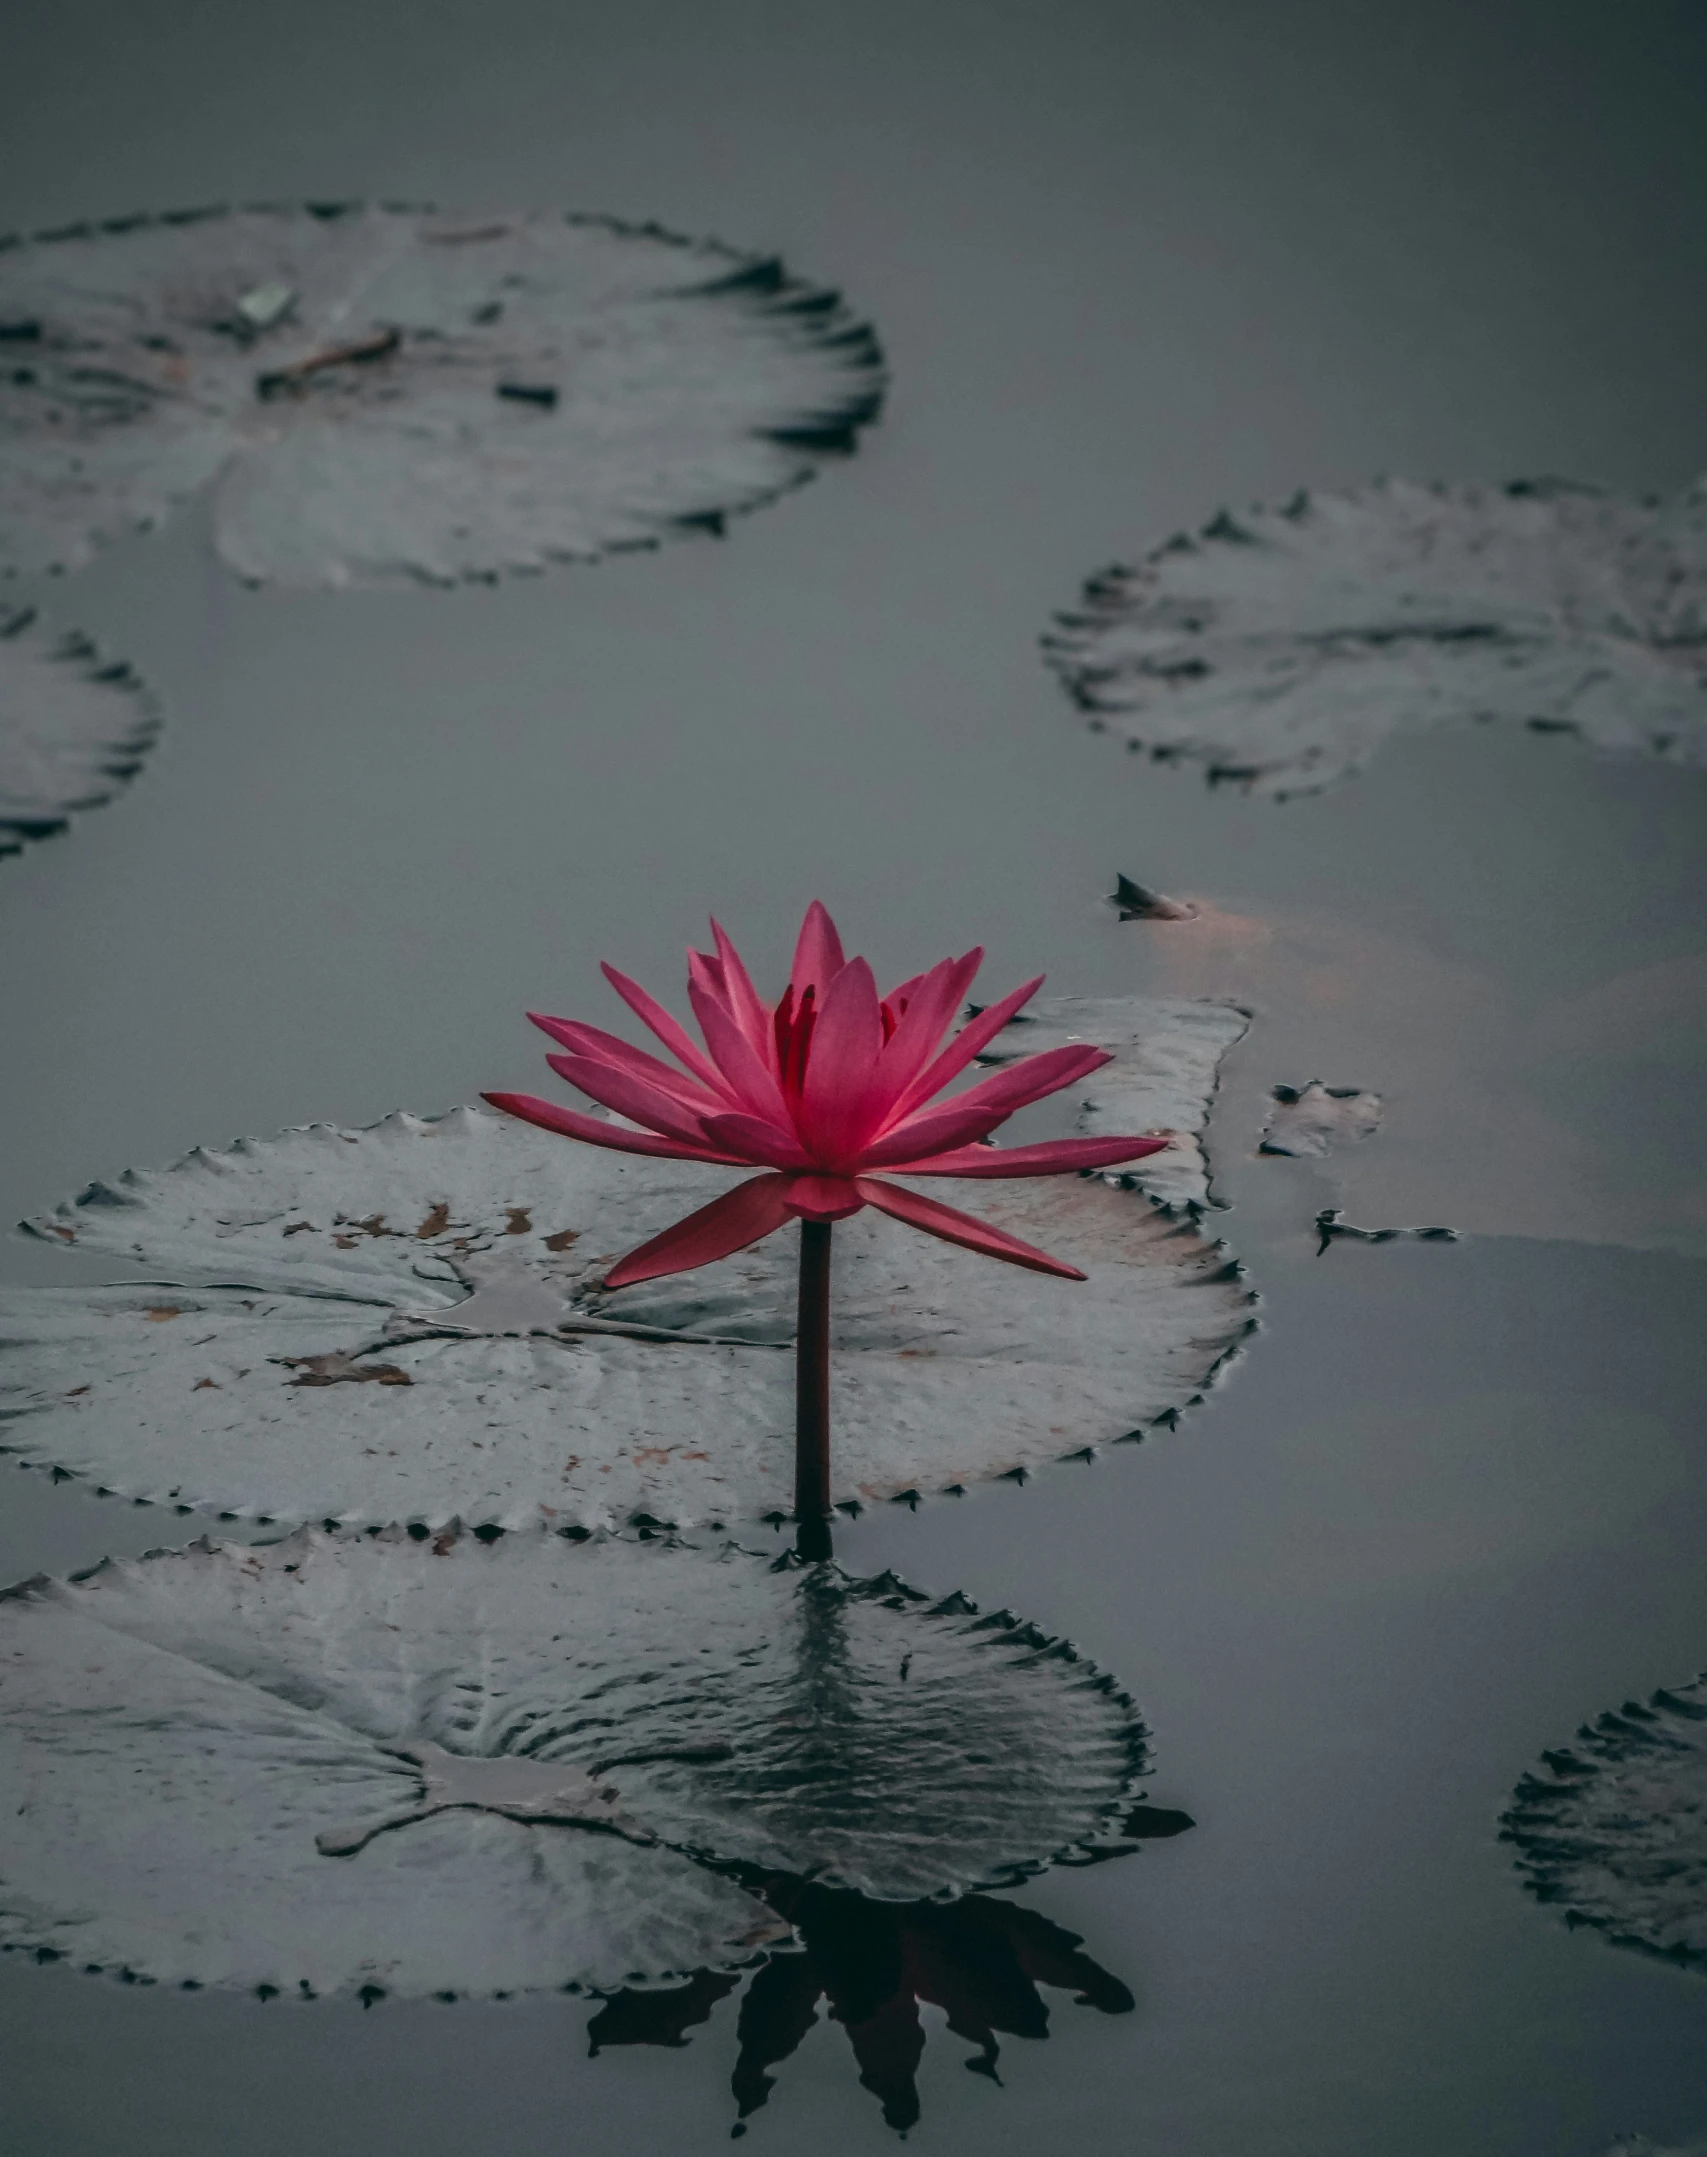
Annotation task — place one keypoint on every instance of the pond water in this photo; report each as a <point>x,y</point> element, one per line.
<point>1128,261</point>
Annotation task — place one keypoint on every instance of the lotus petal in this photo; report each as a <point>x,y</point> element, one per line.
<point>971,1041</point>
<point>670,1031</point>
<point>952,1226</point>
<point>1050,1157</point>
<point>818,955</point>
<point>635,1098</point>
<point>742,1216</point>
<point>1165,1051</point>
<point>932,1001</point>
<point>842,1101</point>
<point>617,1137</point>
<point>965,1117</point>
<point>601,1047</point>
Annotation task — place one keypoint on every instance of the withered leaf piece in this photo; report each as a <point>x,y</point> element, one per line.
<point>431,1765</point>
<point>1282,646</point>
<point>74,727</point>
<point>533,1394</point>
<point>380,393</point>
<point>1331,1227</point>
<point>1615,1829</point>
<point>1310,1121</point>
<point>1137,902</point>
<point>341,1369</point>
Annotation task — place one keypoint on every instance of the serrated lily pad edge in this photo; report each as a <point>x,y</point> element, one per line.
<point>1082,684</point>
<point>122,757</point>
<point>1541,1874</point>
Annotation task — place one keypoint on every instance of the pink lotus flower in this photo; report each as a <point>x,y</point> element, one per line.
<point>820,1091</point>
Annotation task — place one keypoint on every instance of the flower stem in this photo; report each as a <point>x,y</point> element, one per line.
<point>812,1394</point>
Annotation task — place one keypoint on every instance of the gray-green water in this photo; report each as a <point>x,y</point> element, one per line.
<point>1128,261</point>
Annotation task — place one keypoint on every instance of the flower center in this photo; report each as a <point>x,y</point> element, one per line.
<point>793,1025</point>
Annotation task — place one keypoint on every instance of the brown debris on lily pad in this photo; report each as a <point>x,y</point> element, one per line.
<point>409,1766</point>
<point>74,727</point>
<point>1280,647</point>
<point>374,393</point>
<point>308,1294</point>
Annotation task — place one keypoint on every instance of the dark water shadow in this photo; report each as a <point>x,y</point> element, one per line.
<point>871,1966</point>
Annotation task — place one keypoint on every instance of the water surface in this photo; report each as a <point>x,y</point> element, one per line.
<point>1129,261</point>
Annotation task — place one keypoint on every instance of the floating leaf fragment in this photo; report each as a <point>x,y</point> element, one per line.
<point>1137,902</point>
<point>1311,1121</point>
<point>1615,1829</point>
<point>267,305</point>
<point>375,394</point>
<point>525,1386</point>
<point>74,728</point>
<point>347,1761</point>
<point>1331,1227</point>
<point>1281,647</point>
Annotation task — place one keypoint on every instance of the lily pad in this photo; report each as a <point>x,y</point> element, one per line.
<point>1310,1122</point>
<point>1167,1053</point>
<point>74,728</point>
<point>376,393</point>
<point>1616,1828</point>
<point>1282,646</point>
<point>408,1323</point>
<point>376,1761</point>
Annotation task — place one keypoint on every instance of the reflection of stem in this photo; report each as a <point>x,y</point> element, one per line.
<point>828,1734</point>
<point>812,1393</point>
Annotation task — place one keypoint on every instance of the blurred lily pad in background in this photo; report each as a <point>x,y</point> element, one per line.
<point>1615,1830</point>
<point>376,393</point>
<point>74,727</point>
<point>1281,647</point>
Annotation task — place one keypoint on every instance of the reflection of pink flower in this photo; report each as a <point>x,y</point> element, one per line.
<point>819,1090</point>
